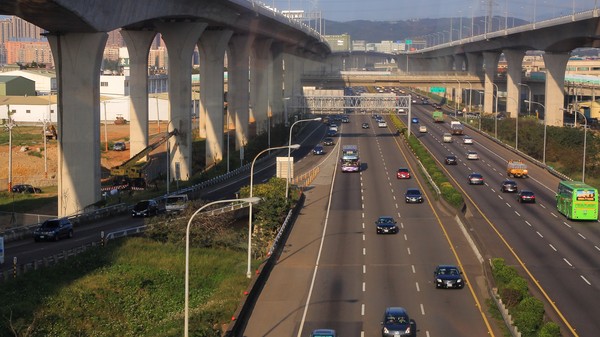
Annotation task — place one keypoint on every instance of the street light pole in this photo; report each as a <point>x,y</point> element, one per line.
<point>496,119</point>
<point>287,178</point>
<point>529,88</point>
<point>516,124</point>
<point>105,127</point>
<point>584,143</point>
<point>10,125</point>
<point>168,158</point>
<point>187,253</point>
<point>545,127</point>
<point>295,146</point>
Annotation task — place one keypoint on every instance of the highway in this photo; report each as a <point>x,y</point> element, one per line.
<point>559,254</point>
<point>358,273</point>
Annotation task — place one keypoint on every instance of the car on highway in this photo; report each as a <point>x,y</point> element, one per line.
<point>403,173</point>
<point>509,186</point>
<point>331,133</point>
<point>396,322</point>
<point>451,160</point>
<point>318,149</point>
<point>467,140</point>
<point>386,225</point>
<point>422,129</point>
<point>472,155</point>
<point>25,188</point>
<point>413,195</point>
<point>119,146</point>
<point>475,179</point>
<point>382,124</point>
<point>328,141</point>
<point>345,119</point>
<point>323,333</point>
<point>526,196</point>
<point>365,125</point>
<point>145,208</point>
<point>401,110</point>
<point>447,137</point>
<point>333,126</point>
<point>415,120</point>
<point>448,276</point>
<point>53,230</point>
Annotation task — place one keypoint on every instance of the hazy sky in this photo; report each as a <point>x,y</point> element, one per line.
<point>390,10</point>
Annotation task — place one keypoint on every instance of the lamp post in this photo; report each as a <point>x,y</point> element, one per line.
<point>456,101</point>
<point>287,178</point>
<point>496,119</point>
<point>10,125</point>
<point>295,146</point>
<point>516,123</point>
<point>529,100</point>
<point>545,125</point>
<point>168,158</point>
<point>584,139</point>
<point>187,253</point>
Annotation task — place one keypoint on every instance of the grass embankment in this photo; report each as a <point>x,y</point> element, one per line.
<point>133,287</point>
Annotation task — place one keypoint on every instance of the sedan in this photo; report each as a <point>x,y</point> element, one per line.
<point>422,129</point>
<point>328,141</point>
<point>525,196</point>
<point>509,186</point>
<point>318,150</point>
<point>448,276</point>
<point>365,125</point>
<point>413,195</point>
<point>323,333</point>
<point>331,133</point>
<point>145,208</point>
<point>385,225</point>
<point>382,124</point>
<point>25,188</point>
<point>472,155</point>
<point>475,179</point>
<point>415,120</point>
<point>396,322</point>
<point>403,173</point>
<point>451,160</point>
<point>119,146</point>
<point>467,140</point>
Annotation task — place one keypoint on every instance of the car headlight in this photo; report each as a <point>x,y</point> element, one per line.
<point>459,280</point>
<point>385,330</point>
<point>438,280</point>
<point>407,330</point>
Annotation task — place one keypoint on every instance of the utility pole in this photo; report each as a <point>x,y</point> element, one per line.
<point>45,122</point>
<point>10,125</point>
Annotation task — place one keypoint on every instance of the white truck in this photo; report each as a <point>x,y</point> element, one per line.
<point>456,128</point>
<point>176,203</point>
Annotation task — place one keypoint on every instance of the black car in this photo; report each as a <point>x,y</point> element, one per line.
<point>448,276</point>
<point>525,196</point>
<point>318,150</point>
<point>365,125</point>
<point>509,186</point>
<point>451,160</point>
<point>25,188</point>
<point>385,225</point>
<point>145,208</point>
<point>328,141</point>
<point>396,322</point>
<point>119,146</point>
<point>345,120</point>
<point>475,179</point>
<point>331,133</point>
<point>53,230</point>
<point>413,195</point>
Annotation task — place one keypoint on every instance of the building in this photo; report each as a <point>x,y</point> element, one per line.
<point>45,80</point>
<point>16,85</point>
<point>25,52</point>
<point>338,42</point>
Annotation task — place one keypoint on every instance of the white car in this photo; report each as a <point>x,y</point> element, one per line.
<point>472,155</point>
<point>382,124</point>
<point>467,140</point>
<point>422,129</point>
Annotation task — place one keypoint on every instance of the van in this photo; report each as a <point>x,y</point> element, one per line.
<point>447,138</point>
<point>176,203</point>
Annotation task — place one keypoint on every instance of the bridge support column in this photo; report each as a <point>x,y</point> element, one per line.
<point>555,63</point>
<point>474,63</point>
<point>276,87</point>
<point>237,83</point>
<point>459,62</point>
<point>180,39</point>
<point>78,58</point>
<point>259,84</point>
<point>212,47</point>
<point>138,43</point>
<point>514,59</point>
<point>491,65</point>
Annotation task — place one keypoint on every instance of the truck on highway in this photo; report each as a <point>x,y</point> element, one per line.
<point>456,128</point>
<point>438,116</point>
<point>516,168</point>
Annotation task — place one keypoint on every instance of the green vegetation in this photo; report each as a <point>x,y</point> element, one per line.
<point>449,193</point>
<point>527,311</point>
<point>23,136</point>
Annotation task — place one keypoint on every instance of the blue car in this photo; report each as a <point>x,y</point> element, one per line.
<point>415,120</point>
<point>323,333</point>
<point>318,150</point>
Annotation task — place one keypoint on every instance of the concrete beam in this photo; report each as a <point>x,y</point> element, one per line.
<point>556,64</point>
<point>238,87</point>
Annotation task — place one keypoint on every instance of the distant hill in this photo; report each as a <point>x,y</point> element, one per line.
<point>376,31</point>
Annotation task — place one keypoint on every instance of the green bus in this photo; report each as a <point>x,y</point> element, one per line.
<point>577,200</point>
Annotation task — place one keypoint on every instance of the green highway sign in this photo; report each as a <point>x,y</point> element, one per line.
<point>437,89</point>
<point>408,41</point>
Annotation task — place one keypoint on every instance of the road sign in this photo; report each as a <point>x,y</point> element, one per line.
<point>437,89</point>
<point>408,41</point>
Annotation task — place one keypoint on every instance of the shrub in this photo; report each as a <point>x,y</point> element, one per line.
<point>502,273</point>
<point>528,316</point>
<point>549,329</point>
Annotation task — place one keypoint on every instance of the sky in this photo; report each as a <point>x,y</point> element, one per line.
<point>400,10</point>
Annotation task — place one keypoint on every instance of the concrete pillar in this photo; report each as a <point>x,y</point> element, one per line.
<point>490,60</point>
<point>288,75</point>
<point>276,79</point>
<point>212,47</point>
<point>555,63</point>
<point>180,39</point>
<point>259,83</point>
<point>474,63</point>
<point>514,61</point>
<point>238,95</point>
<point>459,62</point>
<point>78,58</point>
<point>138,44</point>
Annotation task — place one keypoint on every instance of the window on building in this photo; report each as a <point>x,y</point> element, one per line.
<point>104,84</point>
<point>27,111</point>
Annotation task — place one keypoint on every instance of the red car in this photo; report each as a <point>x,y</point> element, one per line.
<point>403,173</point>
